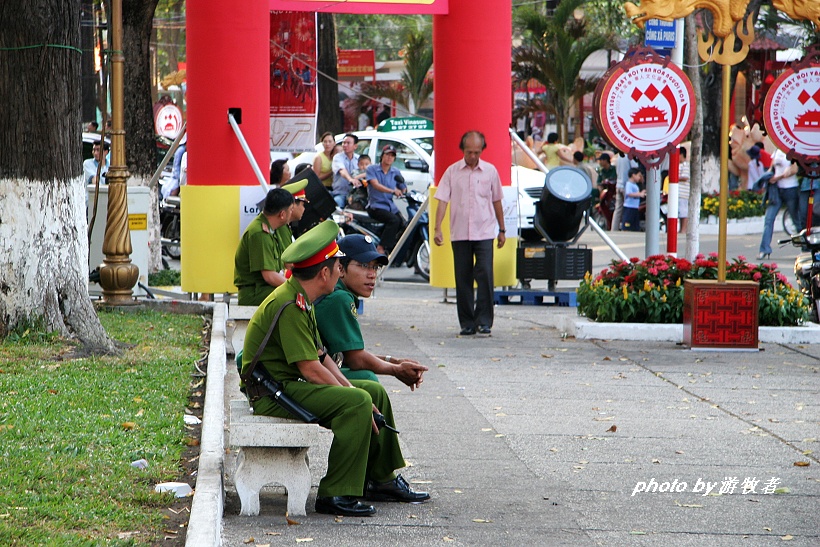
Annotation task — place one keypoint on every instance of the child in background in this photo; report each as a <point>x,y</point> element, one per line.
<point>632,200</point>
<point>357,199</point>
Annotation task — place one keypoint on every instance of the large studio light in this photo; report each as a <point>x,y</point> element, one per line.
<point>567,194</point>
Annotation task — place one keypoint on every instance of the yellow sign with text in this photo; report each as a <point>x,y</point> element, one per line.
<point>138,221</point>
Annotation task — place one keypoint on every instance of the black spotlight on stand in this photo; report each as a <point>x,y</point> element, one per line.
<point>560,219</point>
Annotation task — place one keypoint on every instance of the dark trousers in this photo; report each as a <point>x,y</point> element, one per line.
<point>632,219</point>
<point>473,262</point>
<point>392,226</point>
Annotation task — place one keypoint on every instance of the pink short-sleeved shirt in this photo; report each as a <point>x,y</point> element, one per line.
<point>471,194</point>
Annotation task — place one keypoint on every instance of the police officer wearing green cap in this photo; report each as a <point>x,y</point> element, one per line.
<point>362,459</point>
<point>338,318</point>
<point>297,190</point>
<point>258,266</point>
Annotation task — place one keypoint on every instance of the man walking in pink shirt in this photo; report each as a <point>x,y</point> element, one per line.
<point>473,189</point>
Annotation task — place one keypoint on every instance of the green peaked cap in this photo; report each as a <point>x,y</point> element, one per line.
<point>314,246</point>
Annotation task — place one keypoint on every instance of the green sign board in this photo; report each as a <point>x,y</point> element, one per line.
<point>404,124</point>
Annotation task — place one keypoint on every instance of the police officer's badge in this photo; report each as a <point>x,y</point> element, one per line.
<point>301,302</point>
<point>353,308</point>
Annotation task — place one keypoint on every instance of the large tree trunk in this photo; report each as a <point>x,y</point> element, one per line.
<point>329,118</point>
<point>140,145</point>
<point>87,39</point>
<point>691,60</point>
<point>43,248</point>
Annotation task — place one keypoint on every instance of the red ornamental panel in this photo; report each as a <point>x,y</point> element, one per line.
<point>720,315</point>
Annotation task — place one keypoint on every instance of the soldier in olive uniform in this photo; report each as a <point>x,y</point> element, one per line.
<point>362,460</point>
<point>338,318</point>
<point>258,266</point>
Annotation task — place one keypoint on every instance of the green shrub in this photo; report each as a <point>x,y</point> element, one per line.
<point>651,291</point>
<point>165,278</point>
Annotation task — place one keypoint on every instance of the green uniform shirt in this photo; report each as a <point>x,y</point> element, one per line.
<point>294,337</point>
<point>258,250</point>
<point>338,320</point>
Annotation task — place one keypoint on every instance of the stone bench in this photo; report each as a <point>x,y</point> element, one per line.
<point>271,450</point>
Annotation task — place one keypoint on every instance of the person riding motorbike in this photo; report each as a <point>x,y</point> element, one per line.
<point>383,183</point>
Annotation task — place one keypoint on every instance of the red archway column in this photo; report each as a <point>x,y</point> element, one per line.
<point>471,58</point>
<point>228,67</point>
<point>473,90</point>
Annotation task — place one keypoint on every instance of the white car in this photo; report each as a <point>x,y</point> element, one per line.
<point>415,159</point>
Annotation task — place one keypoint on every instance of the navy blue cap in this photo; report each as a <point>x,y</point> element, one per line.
<point>361,249</point>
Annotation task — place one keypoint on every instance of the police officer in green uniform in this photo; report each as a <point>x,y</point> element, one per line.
<point>300,200</point>
<point>362,459</point>
<point>337,317</point>
<point>258,266</point>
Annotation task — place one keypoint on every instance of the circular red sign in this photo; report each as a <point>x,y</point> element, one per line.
<point>646,106</point>
<point>791,111</point>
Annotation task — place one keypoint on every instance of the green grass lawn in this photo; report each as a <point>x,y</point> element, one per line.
<point>71,426</point>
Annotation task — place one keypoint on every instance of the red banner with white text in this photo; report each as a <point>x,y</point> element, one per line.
<point>293,92</point>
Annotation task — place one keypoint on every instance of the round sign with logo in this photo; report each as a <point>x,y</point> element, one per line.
<point>791,112</point>
<point>168,120</point>
<point>646,105</point>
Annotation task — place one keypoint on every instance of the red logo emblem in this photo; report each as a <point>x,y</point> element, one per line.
<point>643,105</point>
<point>792,111</point>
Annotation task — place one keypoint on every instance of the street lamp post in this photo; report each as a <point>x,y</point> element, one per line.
<point>117,274</point>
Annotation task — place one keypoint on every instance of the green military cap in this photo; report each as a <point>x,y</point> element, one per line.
<point>314,246</point>
<point>297,188</point>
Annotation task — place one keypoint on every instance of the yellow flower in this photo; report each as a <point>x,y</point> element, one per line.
<point>677,283</point>
<point>647,285</point>
<point>626,294</point>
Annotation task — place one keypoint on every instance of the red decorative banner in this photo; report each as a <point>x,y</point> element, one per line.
<point>408,7</point>
<point>293,94</point>
<point>356,63</point>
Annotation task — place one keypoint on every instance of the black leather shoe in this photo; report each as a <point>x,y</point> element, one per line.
<point>395,490</point>
<point>348,506</point>
<point>484,329</point>
<point>467,331</point>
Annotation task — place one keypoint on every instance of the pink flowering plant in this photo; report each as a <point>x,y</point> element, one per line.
<point>651,290</point>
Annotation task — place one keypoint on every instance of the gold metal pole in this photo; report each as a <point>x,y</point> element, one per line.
<point>723,209</point>
<point>117,274</point>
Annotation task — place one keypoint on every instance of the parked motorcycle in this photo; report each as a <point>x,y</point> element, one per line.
<point>169,218</point>
<point>807,266</point>
<point>415,252</point>
<point>603,210</point>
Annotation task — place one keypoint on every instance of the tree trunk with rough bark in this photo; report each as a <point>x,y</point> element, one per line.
<point>43,248</point>
<point>692,62</point>
<point>140,144</point>
<point>329,117</point>
<point>87,39</point>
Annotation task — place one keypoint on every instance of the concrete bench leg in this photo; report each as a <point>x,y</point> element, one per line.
<point>261,466</point>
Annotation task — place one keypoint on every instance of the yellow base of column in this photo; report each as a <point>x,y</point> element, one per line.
<point>209,236</point>
<point>441,258</point>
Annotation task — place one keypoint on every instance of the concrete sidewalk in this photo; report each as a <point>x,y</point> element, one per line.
<point>531,437</point>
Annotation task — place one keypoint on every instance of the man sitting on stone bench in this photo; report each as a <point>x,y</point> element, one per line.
<point>362,459</point>
<point>338,322</point>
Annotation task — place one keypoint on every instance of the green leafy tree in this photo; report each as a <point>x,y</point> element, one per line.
<point>553,51</point>
<point>414,88</point>
<point>385,34</point>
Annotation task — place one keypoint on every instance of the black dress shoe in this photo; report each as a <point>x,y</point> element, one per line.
<point>395,490</point>
<point>348,506</point>
<point>484,329</point>
<point>467,331</point>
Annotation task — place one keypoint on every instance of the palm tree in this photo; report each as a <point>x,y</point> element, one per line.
<point>414,88</point>
<point>558,46</point>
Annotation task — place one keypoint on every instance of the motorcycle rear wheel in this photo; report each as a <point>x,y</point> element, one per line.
<point>422,262</point>
<point>171,232</point>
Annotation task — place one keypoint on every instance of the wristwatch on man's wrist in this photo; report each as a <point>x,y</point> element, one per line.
<point>389,359</point>
<point>502,231</point>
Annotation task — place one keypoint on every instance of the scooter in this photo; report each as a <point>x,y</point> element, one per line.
<point>603,210</point>
<point>169,219</point>
<point>807,266</point>
<point>415,252</point>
